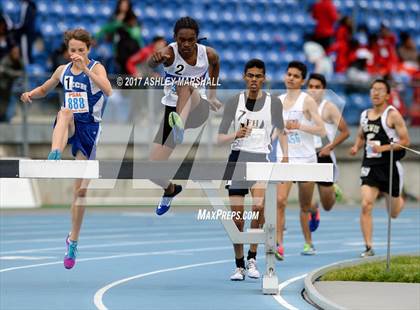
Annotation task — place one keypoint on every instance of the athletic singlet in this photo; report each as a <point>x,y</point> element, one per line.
<point>259,140</point>
<point>82,95</point>
<point>377,132</point>
<point>180,69</point>
<point>301,145</point>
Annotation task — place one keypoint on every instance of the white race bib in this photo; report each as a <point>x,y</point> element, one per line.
<point>369,150</point>
<point>257,136</point>
<point>76,101</point>
<point>293,138</point>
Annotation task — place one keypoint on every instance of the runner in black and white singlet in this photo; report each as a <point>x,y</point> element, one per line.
<point>377,126</point>
<point>333,121</point>
<point>255,115</point>
<point>302,122</point>
<point>188,67</point>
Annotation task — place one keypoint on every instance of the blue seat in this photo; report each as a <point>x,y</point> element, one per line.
<point>271,18</point>
<point>284,19</point>
<point>228,55</point>
<point>363,4</point>
<point>373,23</point>
<point>235,36</point>
<point>414,7</point>
<point>401,6</point>
<point>10,7</point>
<point>375,5</point>
<point>362,102</point>
<point>104,10</point>
<point>388,6</point>
<point>151,13</point>
<point>398,23</point>
<point>48,29</point>
<point>411,24</point>
<point>244,56</point>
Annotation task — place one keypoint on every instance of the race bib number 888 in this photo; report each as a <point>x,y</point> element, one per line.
<point>77,102</point>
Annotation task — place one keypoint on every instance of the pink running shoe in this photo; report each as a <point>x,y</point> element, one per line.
<point>70,256</point>
<point>279,252</point>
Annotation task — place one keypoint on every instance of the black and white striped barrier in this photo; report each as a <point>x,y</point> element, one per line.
<point>197,170</point>
<point>204,172</point>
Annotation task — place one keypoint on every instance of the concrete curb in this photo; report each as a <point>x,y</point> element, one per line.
<point>317,298</point>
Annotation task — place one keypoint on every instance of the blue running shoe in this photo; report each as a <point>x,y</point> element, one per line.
<point>314,219</point>
<point>70,256</point>
<point>177,125</point>
<point>54,155</point>
<point>166,200</point>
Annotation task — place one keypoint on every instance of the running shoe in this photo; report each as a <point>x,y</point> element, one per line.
<point>368,252</point>
<point>308,249</point>
<point>166,200</point>
<point>71,251</point>
<point>177,125</point>
<point>338,193</point>
<point>54,155</point>
<point>279,252</point>
<point>252,269</point>
<point>238,275</point>
<point>314,218</point>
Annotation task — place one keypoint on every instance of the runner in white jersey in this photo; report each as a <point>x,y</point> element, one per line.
<point>255,115</point>
<point>85,86</point>
<point>302,121</point>
<point>187,65</point>
<point>333,120</point>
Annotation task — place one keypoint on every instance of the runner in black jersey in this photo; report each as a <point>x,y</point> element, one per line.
<point>377,127</point>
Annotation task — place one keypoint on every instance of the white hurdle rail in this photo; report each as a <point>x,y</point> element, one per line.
<point>202,172</point>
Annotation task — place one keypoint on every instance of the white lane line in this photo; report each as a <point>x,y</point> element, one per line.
<point>112,230</point>
<point>282,285</point>
<point>93,237</point>
<point>61,239</point>
<point>26,257</point>
<point>98,298</point>
<point>98,258</point>
<point>117,244</point>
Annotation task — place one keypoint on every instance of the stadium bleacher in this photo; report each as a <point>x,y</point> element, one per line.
<point>271,30</point>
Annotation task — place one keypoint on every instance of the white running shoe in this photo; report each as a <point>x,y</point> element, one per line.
<point>252,269</point>
<point>239,275</point>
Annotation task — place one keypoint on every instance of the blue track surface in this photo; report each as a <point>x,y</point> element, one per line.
<point>168,262</point>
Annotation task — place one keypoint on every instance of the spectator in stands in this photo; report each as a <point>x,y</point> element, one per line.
<point>341,45</point>
<point>142,56</point>
<point>415,107</point>
<point>11,68</point>
<point>316,55</point>
<point>6,39</point>
<point>26,29</point>
<point>123,8</point>
<point>362,35</point>
<point>125,33</point>
<point>325,15</point>
<point>130,40</point>
<point>383,47</point>
<point>357,72</point>
<point>407,50</point>
<point>395,95</point>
